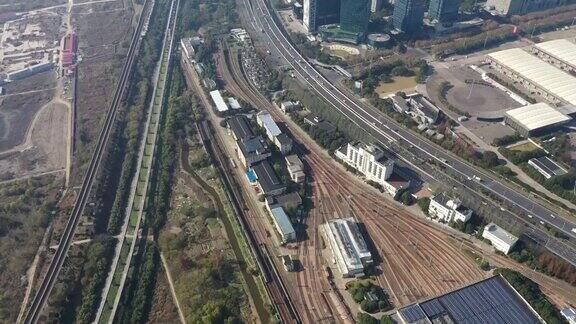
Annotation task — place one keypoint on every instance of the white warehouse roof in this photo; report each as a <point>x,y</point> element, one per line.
<point>544,75</point>
<point>536,116</point>
<point>269,123</point>
<point>218,101</point>
<point>561,49</point>
<point>500,234</point>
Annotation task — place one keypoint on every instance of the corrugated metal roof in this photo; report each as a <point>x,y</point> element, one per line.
<point>543,74</point>
<point>536,116</point>
<point>218,101</point>
<point>284,225</point>
<point>269,123</point>
<point>562,49</point>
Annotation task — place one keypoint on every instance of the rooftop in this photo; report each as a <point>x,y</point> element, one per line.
<point>284,139</point>
<point>536,116</point>
<point>269,123</point>
<point>240,127</point>
<point>293,160</point>
<point>561,49</point>
<point>491,300</point>
<point>234,104</point>
<point>284,225</point>
<point>351,247</point>
<point>546,164</point>
<point>267,178</point>
<point>500,233</point>
<point>221,106</point>
<point>252,145</point>
<point>545,75</point>
<point>292,198</point>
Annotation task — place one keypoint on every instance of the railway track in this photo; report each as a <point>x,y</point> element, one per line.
<point>134,213</point>
<point>51,276</point>
<point>273,283</point>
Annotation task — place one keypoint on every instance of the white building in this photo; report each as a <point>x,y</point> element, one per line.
<point>447,210</point>
<point>368,160</point>
<point>273,132</point>
<point>309,15</point>
<point>295,168</point>
<point>347,245</point>
<point>536,75</point>
<point>221,105</point>
<point>560,52</point>
<point>288,106</point>
<point>500,239</point>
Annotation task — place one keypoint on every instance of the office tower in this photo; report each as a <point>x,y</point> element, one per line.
<point>320,12</point>
<point>354,15</point>
<point>444,11</point>
<point>408,15</point>
<point>375,5</point>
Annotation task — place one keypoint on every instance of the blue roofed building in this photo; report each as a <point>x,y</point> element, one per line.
<point>282,223</point>
<point>491,300</point>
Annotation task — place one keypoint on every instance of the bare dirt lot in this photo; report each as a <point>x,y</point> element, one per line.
<point>476,98</point>
<point>103,32</point>
<point>18,111</point>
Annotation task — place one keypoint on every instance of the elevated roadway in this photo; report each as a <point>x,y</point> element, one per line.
<point>385,131</point>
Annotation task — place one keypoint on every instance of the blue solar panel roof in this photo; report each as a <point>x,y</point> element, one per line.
<point>413,313</point>
<point>491,301</point>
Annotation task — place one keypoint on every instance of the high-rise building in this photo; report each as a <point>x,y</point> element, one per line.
<point>320,12</point>
<point>408,15</point>
<point>375,5</point>
<point>444,11</point>
<point>354,15</point>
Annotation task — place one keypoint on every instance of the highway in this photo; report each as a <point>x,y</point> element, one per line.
<point>386,131</point>
<point>83,195</point>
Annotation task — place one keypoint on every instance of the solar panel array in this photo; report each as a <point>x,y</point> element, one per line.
<point>488,301</point>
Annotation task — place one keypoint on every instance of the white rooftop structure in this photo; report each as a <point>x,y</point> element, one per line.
<point>282,224</point>
<point>221,106</point>
<point>500,239</point>
<point>543,75</point>
<point>570,314</point>
<point>537,116</point>
<point>560,49</point>
<point>265,120</point>
<point>348,247</point>
<point>234,104</point>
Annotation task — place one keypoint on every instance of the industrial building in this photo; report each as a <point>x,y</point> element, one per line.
<point>448,209</point>
<point>368,160</point>
<point>282,223</point>
<point>559,52</point>
<point>443,11</point>
<point>29,71</point>
<point>547,167</point>
<point>252,150</point>
<point>500,239</point>
<point>491,300</point>
<point>347,245</point>
<point>536,75</point>
<point>268,181</point>
<point>221,105</point>
<point>521,7</point>
<point>535,119</point>
<point>239,127</point>
<point>408,15</point>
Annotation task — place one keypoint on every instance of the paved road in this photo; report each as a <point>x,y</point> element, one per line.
<point>386,131</point>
